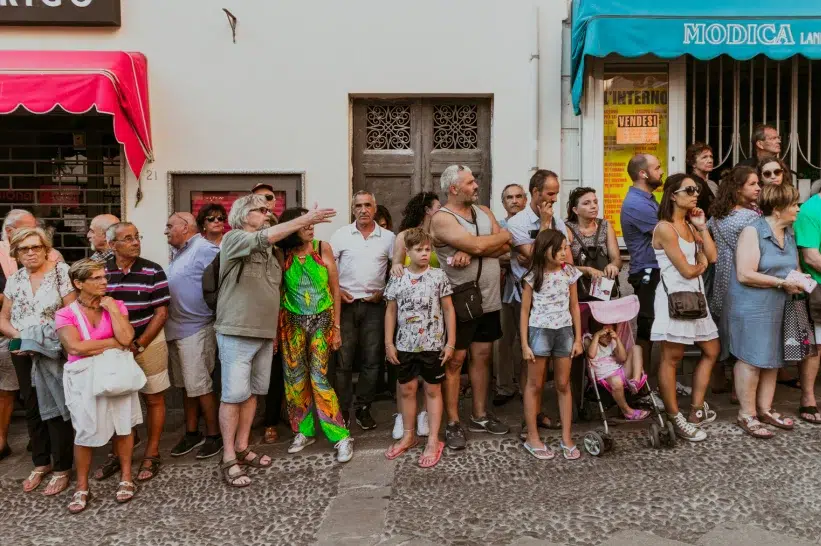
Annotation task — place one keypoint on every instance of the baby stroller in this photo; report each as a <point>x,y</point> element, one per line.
<point>617,312</point>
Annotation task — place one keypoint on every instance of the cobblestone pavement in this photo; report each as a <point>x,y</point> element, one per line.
<point>732,489</point>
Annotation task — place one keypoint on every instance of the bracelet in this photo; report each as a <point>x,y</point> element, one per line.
<point>450,347</point>
<point>780,284</point>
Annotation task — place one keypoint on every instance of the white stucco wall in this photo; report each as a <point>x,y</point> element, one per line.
<point>278,99</point>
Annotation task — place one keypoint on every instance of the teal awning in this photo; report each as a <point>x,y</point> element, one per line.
<point>704,29</point>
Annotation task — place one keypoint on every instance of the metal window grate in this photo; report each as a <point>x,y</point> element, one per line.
<point>63,168</point>
<point>727,98</point>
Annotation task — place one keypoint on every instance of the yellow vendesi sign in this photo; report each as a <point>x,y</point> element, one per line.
<point>635,122</point>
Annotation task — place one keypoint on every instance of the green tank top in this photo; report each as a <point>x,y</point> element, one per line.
<point>306,290</point>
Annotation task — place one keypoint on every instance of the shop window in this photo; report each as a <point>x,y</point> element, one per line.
<point>63,168</point>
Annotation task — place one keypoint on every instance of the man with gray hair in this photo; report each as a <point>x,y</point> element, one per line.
<point>246,326</point>
<point>362,251</point>
<point>16,219</point>
<point>765,143</point>
<point>469,243</point>
<point>96,236</point>
<point>190,336</point>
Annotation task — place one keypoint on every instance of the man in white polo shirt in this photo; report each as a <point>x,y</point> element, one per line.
<point>362,251</point>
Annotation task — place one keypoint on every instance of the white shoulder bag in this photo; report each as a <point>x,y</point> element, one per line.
<point>115,372</point>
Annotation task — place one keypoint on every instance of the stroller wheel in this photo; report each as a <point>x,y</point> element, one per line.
<point>608,442</point>
<point>671,434</point>
<point>593,443</point>
<point>654,434</point>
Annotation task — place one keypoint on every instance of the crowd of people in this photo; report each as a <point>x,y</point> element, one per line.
<point>265,309</point>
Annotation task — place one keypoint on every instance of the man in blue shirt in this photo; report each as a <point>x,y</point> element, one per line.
<point>189,333</point>
<point>639,216</point>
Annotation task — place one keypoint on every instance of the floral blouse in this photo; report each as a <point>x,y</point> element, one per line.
<point>551,305</point>
<point>29,309</point>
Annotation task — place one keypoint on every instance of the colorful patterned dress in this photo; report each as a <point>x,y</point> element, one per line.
<point>305,331</point>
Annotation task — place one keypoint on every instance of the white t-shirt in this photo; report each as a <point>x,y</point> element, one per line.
<point>551,305</point>
<point>520,226</point>
<point>419,311</point>
<point>362,263</point>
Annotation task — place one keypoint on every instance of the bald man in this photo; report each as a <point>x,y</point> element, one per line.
<point>96,236</point>
<point>189,333</point>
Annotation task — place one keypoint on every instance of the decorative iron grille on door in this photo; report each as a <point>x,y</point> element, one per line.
<point>401,147</point>
<point>63,168</point>
<point>727,98</point>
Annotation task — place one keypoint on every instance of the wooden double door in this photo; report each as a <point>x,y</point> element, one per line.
<point>401,146</point>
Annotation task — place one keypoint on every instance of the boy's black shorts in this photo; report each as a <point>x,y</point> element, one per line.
<point>427,364</point>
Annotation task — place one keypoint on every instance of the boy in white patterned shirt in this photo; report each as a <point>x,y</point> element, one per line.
<point>420,302</point>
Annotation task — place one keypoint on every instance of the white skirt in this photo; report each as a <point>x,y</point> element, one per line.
<point>684,332</point>
<point>97,418</point>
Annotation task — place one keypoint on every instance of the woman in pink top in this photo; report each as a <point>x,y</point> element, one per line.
<point>91,325</point>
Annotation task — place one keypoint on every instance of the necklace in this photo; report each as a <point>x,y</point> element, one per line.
<point>88,306</point>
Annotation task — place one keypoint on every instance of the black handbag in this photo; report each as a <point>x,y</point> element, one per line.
<point>466,297</point>
<point>686,305</point>
<point>592,256</point>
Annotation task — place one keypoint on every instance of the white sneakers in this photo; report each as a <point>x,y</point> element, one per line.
<point>422,425</point>
<point>299,443</point>
<point>344,450</point>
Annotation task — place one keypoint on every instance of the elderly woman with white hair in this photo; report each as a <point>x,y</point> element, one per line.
<point>30,301</point>
<point>246,325</point>
<point>14,220</point>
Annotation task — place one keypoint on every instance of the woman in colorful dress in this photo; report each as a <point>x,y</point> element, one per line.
<point>309,330</point>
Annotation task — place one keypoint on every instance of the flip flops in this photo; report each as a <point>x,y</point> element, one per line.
<point>542,453</point>
<point>435,459</point>
<point>392,453</point>
<point>809,410</point>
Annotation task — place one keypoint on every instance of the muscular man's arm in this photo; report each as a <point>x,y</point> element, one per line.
<point>445,228</point>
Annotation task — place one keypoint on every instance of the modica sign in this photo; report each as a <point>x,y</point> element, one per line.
<point>67,13</point>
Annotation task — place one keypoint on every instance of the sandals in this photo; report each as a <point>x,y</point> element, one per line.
<point>436,457</point>
<point>754,428</point>
<point>34,480</point>
<point>809,410</point>
<point>776,420</point>
<point>636,385</point>
<point>233,479</point>
<point>271,435</point>
<point>79,500</point>
<point>153,468</point>
<point>110,467</point>
<point>125,492</point>
<point>392,453</point>
<point>570,453</point>
<point>61,478</point>
<point>637,415</point>
<point>542,453</point>
<point>543,421</point>
<point>255,461</point>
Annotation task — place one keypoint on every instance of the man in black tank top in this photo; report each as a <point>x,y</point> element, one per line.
<point>469,243</point>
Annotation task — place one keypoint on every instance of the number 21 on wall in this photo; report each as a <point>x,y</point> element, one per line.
<point>150,174</point>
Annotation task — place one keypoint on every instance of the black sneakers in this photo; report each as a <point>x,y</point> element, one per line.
<point>187,444</point>
<point>364,419</point>
<point>212,446</point>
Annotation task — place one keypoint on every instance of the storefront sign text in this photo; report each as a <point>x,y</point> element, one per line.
<point>75,13</point>
<point>736,34</point>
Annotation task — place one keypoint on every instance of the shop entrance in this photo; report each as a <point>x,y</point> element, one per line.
<point>65,169</point>
<point>726,98</point>
<point>401,147</point>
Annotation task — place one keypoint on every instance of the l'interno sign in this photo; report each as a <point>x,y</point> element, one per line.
<point>68,13</point>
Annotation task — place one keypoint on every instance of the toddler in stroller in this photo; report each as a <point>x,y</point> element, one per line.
<point>614,361</point>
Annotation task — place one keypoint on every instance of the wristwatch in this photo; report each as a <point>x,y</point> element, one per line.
<point>138,347</point>
<point>780,284</point>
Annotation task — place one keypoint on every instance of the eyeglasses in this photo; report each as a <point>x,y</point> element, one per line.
<point>689,190</point>
<point>215,218</point>
<point>263,210</point>
<point>27,249</point>
<point>772,173</point>
<point>129,239</point>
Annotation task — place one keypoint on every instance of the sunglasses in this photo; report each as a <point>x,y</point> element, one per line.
<point>27,249</point>
<point>771,174</point>
<point>269,197</point>
<point>215,218</point>
<point>689,190</point>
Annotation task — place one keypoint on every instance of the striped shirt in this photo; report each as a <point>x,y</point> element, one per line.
<point>143,289</point>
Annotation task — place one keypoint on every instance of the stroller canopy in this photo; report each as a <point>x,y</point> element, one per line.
<point>615,311</point>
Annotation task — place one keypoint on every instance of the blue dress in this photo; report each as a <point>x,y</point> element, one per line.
<point>753,318</point>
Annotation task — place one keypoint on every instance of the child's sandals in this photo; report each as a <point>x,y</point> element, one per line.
<point>636,385</point>
<point>637,415</point>
<point>570,453</point>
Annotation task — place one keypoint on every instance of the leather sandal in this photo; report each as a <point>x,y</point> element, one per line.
<point>79,501</point>
<point>110,467</point>
<point>809,410</point>
<point>754,428</point>
<point>125,492</point>
<point>255,462</point>
<point>153,468</point>
<point>233,479</point>
<point>776,420</point>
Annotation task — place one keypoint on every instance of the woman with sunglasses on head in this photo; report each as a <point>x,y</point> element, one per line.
<point>773,170</point>
<point>683,248</point>
<point>211,222</point>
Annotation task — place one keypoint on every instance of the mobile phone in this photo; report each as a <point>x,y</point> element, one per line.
<point>14,344</point>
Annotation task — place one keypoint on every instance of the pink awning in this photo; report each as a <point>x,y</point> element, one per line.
<point>111,82</point>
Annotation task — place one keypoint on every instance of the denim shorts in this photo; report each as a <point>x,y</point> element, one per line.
<point>245,363</point>
<point>548,342</point>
